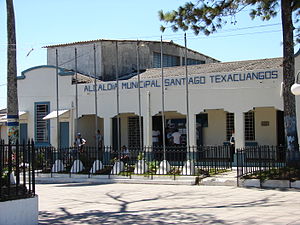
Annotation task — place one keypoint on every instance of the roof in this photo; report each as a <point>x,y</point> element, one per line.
<point>225,67</point>
<point>114,40</point>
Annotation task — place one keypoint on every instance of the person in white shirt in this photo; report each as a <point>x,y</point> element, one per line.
<point>155,137</point>
<point>79,142</point>
<point>176,137</point>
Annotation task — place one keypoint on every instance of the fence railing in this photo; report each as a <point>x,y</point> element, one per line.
<point>264,162</point>
<point>17,171</point>
<point>175,160</point>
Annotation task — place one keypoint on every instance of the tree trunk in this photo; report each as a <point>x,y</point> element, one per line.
<point>12,94</point>
<point>290,120</point>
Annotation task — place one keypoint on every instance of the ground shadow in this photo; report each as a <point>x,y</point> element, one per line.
<point>154,215</point>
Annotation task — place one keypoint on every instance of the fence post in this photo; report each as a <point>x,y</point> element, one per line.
<point>9,166</point>
<point>17,167</point>
<point>259,153</point>
<point>238,167</point>
<point>33,166</point>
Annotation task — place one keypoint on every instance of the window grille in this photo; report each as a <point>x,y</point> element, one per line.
<point>42,126</point>
<point>249,126</point>
<point>229,125</point>
<point>134,132</point>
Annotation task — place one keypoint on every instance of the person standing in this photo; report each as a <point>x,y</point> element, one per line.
<point>176,137</point>
<point>99,139</point>
<point>232,145</point>
<point>155,137</point>
<point>79,142</point>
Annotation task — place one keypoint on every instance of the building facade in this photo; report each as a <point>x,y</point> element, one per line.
<point>243,97</point>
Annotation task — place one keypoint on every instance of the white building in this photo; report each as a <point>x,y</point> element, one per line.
<point>243,96</point>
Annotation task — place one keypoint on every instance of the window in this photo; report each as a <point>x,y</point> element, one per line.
<point>41,126</point>
<point>168,60</point>
<point>192,61</point>
<point>249,126</point>
<point>134,132</point>
<point>229,125</point>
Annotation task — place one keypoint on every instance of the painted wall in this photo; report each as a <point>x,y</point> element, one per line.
<point>215,133</point>
<point>265,135</point>
<point>214,97</point>
<point>38,85</point>
<point>22,211</point>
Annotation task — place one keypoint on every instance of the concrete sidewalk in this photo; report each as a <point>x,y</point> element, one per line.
<point>84,203</point>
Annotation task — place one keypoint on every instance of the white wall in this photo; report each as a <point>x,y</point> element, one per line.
<point>39,86</point>
<point>266,135</point>
<point>215,133</point>
<point>19,212</point>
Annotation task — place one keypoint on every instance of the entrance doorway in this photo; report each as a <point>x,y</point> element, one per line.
<point>64,135</point>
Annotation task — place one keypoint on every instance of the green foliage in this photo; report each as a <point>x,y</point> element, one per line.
<point>210,172</point>
<point>153,167</point>
<point>208,16</point>
<point>175,171</point>
<point>286,173</point>
<point>4,178</point>
<point>140,156</point>
<point>217,171</point>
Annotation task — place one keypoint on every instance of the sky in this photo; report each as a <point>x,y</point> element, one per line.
<point>47,22</point>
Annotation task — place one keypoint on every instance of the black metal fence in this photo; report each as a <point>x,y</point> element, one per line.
<point>17,171</point>
<point>267,162</point>
<point>173,160</point>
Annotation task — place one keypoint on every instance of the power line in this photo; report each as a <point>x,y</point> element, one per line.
<point>155,36</point>
<point>232,35</point>
<point>221,31</point>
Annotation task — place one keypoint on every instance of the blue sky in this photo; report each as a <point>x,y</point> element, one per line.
<point>47,22</point>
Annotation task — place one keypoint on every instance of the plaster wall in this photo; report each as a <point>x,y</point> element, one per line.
<point>22,211</point>
<point>236,97</point>
<point>266,135</point>
<point>215,133</point>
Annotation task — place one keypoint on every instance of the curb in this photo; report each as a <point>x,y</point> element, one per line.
<point>111,180</point>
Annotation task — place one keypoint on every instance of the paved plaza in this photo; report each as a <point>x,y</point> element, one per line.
<point>84,203</point>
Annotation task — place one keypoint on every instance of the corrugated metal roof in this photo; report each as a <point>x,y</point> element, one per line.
<point>237,66</point>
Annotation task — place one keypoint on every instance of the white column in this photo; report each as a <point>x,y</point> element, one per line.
<point>147,129</point>
<point>107,131</point>
<point>239,127</point>
<point>148,122</point>
<point>192,121</point>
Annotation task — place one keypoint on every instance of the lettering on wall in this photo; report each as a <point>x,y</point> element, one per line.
<point>180,81</point>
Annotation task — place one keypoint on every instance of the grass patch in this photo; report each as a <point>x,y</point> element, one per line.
<point>286,173</point>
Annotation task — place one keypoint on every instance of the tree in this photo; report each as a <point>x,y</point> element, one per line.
<point>12,92</point>
<point>207,16</point>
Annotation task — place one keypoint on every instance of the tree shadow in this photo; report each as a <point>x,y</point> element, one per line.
<point>171,214</point>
